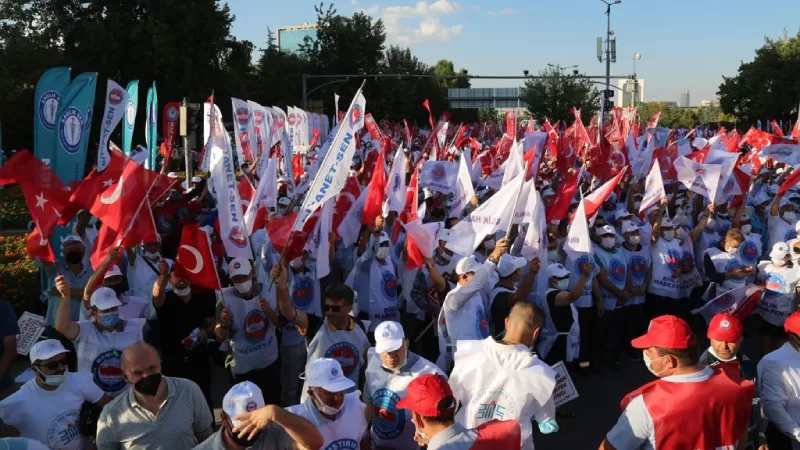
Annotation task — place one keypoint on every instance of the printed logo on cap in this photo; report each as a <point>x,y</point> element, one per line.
<point>492,404</point>
<point>617,271</point>
<point>255,326</point>
<point>334,372</point>
<point>342,444</point>
<point>673,259</point>
<point>638,268</point>
<point>725,324</point>
<point>748,251</point>
<point>48,105</point>
<point>303,293</point>
<point>107,371</point>
<point>238,237</point>
<point>172,113</point>
<point>251,406</point>
<point>71,130</point>
<point>389,284</point>
<point>389,421</point>
<point>63,430</point>
<point>386,334</point>
<point>347,355</point>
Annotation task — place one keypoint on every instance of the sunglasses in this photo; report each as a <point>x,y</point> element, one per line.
<point>53,365</point>
<point>332,308</point>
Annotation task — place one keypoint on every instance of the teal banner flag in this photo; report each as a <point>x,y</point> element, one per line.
<point>151,127</point>
<point>49,89</point>
<point>73,124</point>
<point>130,116</point>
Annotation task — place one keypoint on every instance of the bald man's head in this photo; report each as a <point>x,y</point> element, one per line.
<point>140,360</point>
<point>523,323</point>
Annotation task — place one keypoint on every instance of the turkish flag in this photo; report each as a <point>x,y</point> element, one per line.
<point>595,200</point>
<point>297,167</point>
<point>345,201</point>
<point>195,260</point>
<point>119,204</point>
<point>39,248</point>
<point>96,182</point>
<point>565,192</point>
<point>415,258</point>
<point>666,156</point>
<point>46,196</point>
<point>793,179</point>
<point>144,230</point>
<point>280,228</point>
<point>246,192</point>
<point>162,184</point>
<point>376,194</point>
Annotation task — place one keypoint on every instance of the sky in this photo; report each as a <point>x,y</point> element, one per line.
<point>684,45</point>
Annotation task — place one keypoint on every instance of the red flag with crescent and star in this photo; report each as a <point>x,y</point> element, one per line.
<point>120,203</point>
<point>195,260</point>
<point>95,183</point>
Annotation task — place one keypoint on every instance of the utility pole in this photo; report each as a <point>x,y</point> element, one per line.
<point>183,131</point>
<point>611,48</point>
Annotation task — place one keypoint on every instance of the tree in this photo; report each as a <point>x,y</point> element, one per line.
<point>277,75</point>
<point>767,87</point>
<point>445,68</point>
<point>554,97</point>
<point>401,97</point>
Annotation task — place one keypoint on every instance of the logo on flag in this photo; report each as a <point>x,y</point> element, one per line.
<point>292,119</point>
<point>130,114</point>
<point>237,236</point>
<point>115,97</point>
<point>242,116</point>
<point>258,117</point>
<point>172,113</point>
<point>71,130</point>
<point>357,115</point>
<point>47,109</point>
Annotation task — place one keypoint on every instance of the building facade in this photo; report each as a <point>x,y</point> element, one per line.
<point>685,100</point>
<point>626,91</point>
<point>501,99</point>
<point>290,38</point>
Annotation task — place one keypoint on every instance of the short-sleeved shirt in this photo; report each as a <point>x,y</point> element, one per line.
<point>273,437</point>
<point>78,281</point>
<point>8,327</point>
<point>561,315</point>
<point>125,424</point>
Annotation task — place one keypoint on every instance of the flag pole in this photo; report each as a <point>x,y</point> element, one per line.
<point>516,200</point>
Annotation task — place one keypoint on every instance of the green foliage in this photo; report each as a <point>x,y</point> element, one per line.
<point>445,68</point>
<point>767,87</point>
<point>487,114</point>
<point>553,98</point>
<point>677,117</point>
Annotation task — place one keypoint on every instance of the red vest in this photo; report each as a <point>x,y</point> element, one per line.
<point>497,435</point>
<point>708,415</point>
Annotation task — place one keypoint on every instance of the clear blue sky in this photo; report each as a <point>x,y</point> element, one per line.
<point>684,44</point>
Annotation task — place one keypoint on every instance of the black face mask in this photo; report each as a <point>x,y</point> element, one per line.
<point>242,442</point>
<point>120,288</point>
<point>73,257</point>
<point>148,385</point>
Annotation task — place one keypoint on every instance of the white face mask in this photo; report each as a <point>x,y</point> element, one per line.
<point>680,232</point>
<point>649,363</point>
<point>747,228</point>
<point>296,263</point>
<point>637,205</point>
<point>563,284</point>
<point>669,235</point>
<point>790,216</point>
<point>152,256</point>
<point>778,262</point>
<point>609,242</point>
<point>634,240</point>
<point>323,408</point>
<point>732,250</point>
<point>243,287</point>
<point>182,292</point>
<point>382,252</point>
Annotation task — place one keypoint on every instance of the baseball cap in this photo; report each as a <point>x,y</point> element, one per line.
<point>173,174</point>
<point>383,237</point>
<point>666,332</point>
<point>46,349</point>
<point>779,251</point>
<point>621,213</point>
<point>71,238</point>
<point>196,179</point>
<point>467,265</point>
<point>239,266</point>
<point>443,235</point>
<point>745,218</point>
<point>326,373</point>
<point>508,264</point>
<point>725,327</point>
<point>104,298</point>
<point>113,271</point>
<point>666,223</point>
<point>629,227</point>
<point>761,198</point>
<point>557,270</point>
<point>242,398</point>
<point>429,396</point>
<point>606,230</point>
<point>284,201</point>
<point>786,202</point>
<point>389,336</point>
<point>792,324</point>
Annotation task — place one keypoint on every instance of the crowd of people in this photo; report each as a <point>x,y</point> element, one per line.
<point>457,354</point>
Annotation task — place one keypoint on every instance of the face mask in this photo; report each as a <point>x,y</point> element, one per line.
<point>669,235</point>
<point>148,385</point>
<point>152,256</point>
<point>382,252</point>
<point>731,250</point>
<point>182,292</point>
<point>52,380</point>
<point>609,242</point>
<point>649,363</point>
<point>296,263</point>
<point>637,205</point>
<point>552,255</point>
<point>109,320</point>
<point>489,244</point>
<point>73,257</point>
<point>634,240</point>
<point>778,262</point>
<point>563,285</point>
<point>746,229</point>
<point>323,408</point>
<point>243,287</point>
<point>789,216</point>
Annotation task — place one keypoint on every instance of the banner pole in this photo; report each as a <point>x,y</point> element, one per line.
<point>516,200</point>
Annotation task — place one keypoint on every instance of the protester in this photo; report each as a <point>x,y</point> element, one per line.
<point>640,272</point>
<point>663,294</point>
<point>777,379</point>
<point>374,278</point>
<point>8,346</point>
<point>132,307</point>
<point>511,287</point>
<point>688,406</point>
<point>46,409</point>
<point>504,380</point>
<point>560,314</point>
<point>157,411</point>
<point>613,281</point>
<point>390,368</point>
<point>432,407</point>
<point>781,281</point>
<point>77,271</point>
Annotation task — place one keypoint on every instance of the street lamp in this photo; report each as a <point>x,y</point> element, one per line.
<point>609,33</point>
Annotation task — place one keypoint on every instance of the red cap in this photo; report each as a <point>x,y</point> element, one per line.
<point>666,332</point>
<point>429,396</point>
<point>725,327</point>
<point>792,324</point>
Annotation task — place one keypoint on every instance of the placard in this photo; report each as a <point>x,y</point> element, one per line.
<point>31,327</point>
<point>565,389</point>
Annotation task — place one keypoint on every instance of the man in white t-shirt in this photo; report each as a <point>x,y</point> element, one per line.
<point>47,408</point>
<point>133,307</point>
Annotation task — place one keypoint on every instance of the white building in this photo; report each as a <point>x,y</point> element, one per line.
<point>685,99</point>
<point>624,97</point>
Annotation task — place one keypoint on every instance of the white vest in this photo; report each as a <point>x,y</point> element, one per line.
<point>574,267</point>
<point>252,338</point>
<point>384,303</point>
<point>779,298</point>
<point>346,431</point>
<point>639,262</point>
<point>305,293</point>
<point>706,241</point>
<point>488,390</point>
<point>724,262</point>
<point>346,346</point>
<point>573,335</point>
<point>392,427</point>
<point>751,248</point>
<point>690,277</point>
<point>468,323</point>
<point>666,257</point>
<point>99,353</point>
<point>616,273</point>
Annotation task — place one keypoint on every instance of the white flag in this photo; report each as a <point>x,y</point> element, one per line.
<point>243,131</point>
<point>266,195</point>
<point>702,179</point>
<point>424,234</point>
<point>318,244</point>
<point>728,187</point>
<point>263,137</point>
<point>464,190</point>
<point>441,136</point>
<point>785,153</point>
<point>351,224</point>
<point>490,217</point>
<point>653,188</point>
<point>116,102</point>
<point>439,176</point>
<point>578,243</point>
<point>332,173</point>
<point>536,236</point>
<point>522,213</point>
<point>514,164</point>
<point>396,183</point>
<point>336,109</point>
<point>495,179</point>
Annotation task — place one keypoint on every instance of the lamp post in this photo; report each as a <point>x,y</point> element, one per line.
<point>609,33</point>
<point>636,57</point>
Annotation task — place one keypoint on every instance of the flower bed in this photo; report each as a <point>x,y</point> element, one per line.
<point>19,274</point>
<point>14,214</point>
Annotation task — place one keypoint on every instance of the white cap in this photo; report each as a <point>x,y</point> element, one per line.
<point>785,201</point>
<point>761,198</point>
<point>666,223</point>
<point>196,180</point>
<point>284,201</point>
<point>239,266</point>
<point>606,230</point>
<point>744,218</point>
<point>443,235</point>
<point>629,227</point>
<point>113,271</point>
<point>557,270</point>
<point>467,265</point>
<point>779,251</point>
<point>173,174</point>
<point>621,213</point>
<point>389,337</point>
<point>383,237</point>
<point>427,192</point>
<point>242,398</point>
<point>71,238</point>
<point>326,373</point>
<point>104,298</point>
<point>46,349</point>
<point>509,264</point>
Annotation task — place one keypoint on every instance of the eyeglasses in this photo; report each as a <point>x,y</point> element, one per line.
<point>53,365</point>
<point>332,308</point>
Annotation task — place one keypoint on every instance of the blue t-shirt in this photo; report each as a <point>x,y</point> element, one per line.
<point>8,327</point>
